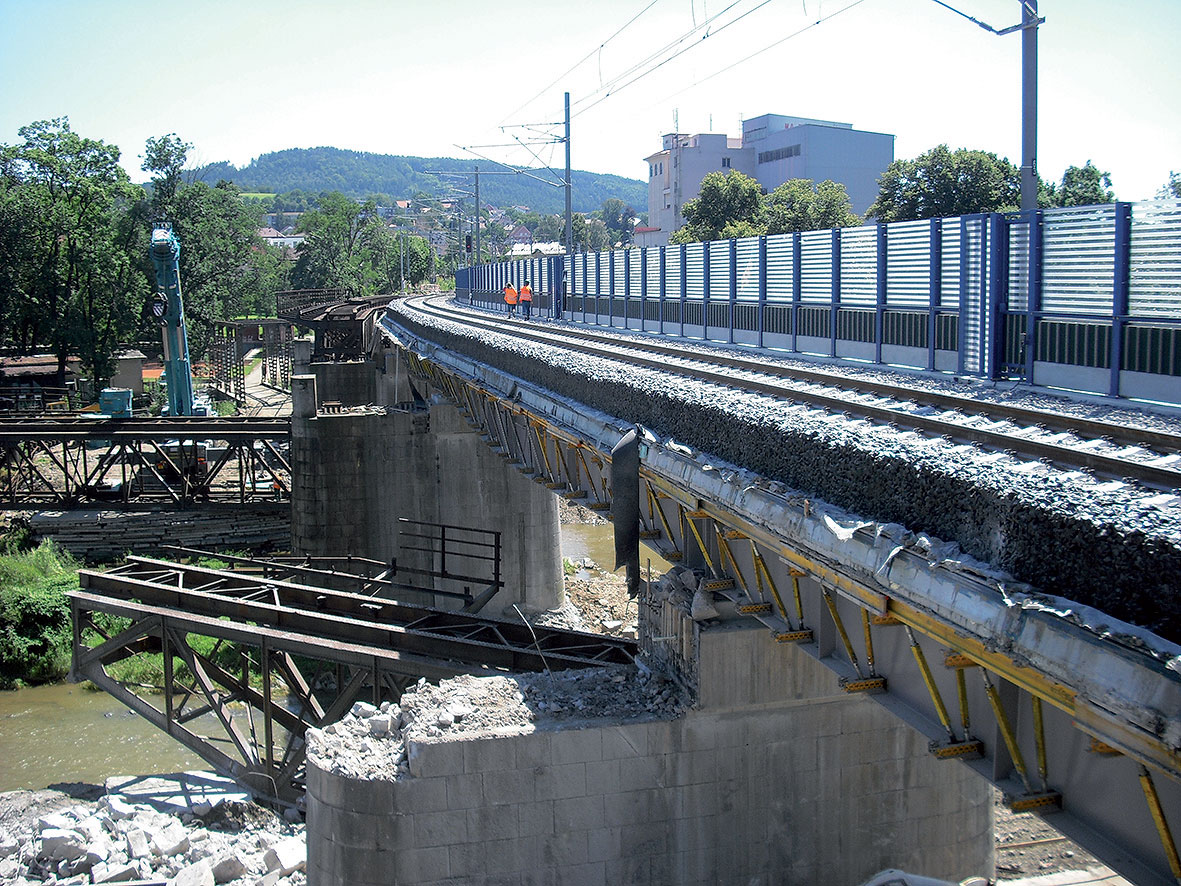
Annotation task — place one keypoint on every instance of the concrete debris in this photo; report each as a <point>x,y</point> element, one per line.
<point>467,707</point>
<point>205,839</point>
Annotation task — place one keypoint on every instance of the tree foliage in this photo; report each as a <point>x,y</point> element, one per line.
<point>1080,186</point>
<point>733,205</point>
<point>1171,190</point>
<point>348,246</point>
<point>728,205</point>
<point>943,182</point>
<point>75,277</point>
<point>798,205</point>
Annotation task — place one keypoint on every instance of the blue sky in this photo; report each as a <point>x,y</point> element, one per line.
<point>390,76</point>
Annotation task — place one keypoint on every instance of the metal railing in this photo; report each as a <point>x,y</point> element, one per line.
<point>1084,298</point>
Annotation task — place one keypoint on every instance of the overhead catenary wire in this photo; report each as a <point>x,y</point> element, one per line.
<point>644,73</point>
<point>584,59</point>
<point>767,48</point>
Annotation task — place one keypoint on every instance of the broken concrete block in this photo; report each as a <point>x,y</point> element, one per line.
<point>363,709</point>
<point>287,856</point>
<point>269,879</point>
<point>8,869</point>
<point>199,874</point>
<point>54,821</point>
<point>60,843</point>
<point>9,845</point>
<point>113,873</point>
<point>170,840</point>
<point>380,724</point>
<point>117,807</point>
<point>138,845</point>
<point>229,867</point>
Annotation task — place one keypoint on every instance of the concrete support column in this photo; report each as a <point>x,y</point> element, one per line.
<point>303,396</point>
<point>356,474</point>
<point>301,355</point>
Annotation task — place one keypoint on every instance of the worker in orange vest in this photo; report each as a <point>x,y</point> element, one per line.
<point>526,298</point>
<point>510,298</point>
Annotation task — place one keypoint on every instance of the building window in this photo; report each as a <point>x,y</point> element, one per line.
<point>779,154</point>
<point>725,162</point>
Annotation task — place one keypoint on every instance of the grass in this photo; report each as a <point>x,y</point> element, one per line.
<point>35,633</point>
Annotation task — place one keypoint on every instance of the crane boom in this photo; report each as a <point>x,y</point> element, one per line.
<point>169,310</point>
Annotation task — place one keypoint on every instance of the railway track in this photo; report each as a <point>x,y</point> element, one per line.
<point>1108,450</point>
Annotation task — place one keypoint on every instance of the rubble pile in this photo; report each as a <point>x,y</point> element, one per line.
<point>372,742</point>
<point>117,840</point>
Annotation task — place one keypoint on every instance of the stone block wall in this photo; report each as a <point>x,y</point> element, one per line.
<point>798,784</point>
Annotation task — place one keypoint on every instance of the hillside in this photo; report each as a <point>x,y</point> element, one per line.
<point>358,175</point>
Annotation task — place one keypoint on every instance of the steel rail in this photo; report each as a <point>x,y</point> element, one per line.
<point>710,353</point>
<point>1071,457</point>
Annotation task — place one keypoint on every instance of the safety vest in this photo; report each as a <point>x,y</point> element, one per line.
<point>510,295</point>
<point>526,293</point>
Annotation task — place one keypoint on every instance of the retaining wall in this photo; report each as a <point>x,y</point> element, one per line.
<point>782,779</point>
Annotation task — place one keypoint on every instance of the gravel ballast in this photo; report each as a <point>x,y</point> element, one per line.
<point>1109,545</point>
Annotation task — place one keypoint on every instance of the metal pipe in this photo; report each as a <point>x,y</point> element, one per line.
<point>868,642</point>
<point>1039,732</point>
<point>836,619</point>
<point>929,679</point>
<point>1007,733</point>
<point>961,683</point>
<point>1162,825</point>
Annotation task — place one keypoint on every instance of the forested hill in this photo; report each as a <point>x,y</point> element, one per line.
<point>359,175</point>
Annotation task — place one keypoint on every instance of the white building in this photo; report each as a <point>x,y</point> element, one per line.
<point>773,149</point>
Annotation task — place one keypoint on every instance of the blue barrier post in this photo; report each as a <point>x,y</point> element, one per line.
<point>879,313</point>
<point>611,288</point>
<point>705,291</point>
<point>1033,297</point>
<point>1121,290</point>
<point>733,283</point>
<point>797,286</point>
<point>660,294</point>
<point>643,289</point>
<point>835,307</point>
<point>761,320</point>
<point>934,288</point>
<point>684,285</point>
<point>997,292</point>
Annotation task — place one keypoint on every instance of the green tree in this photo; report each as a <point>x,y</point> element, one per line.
<point>798,205</point>
<point>1171,190</point>
<point>68,199</point>
<point>330,255</point>
<point>943,183</point>
<point>728,204</point>
<point>1083,186</point>
<point>165,158</point>
<point>620,220</point>
<point>226,269</point>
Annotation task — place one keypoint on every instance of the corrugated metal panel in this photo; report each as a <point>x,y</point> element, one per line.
<point>1078,259</point>
<point>748,269</point>
<point>672,275</point>
<point>816,266</point>
<point>604,273</point>
<point>652,257</point>
<point>620,258</point>
<point>908,263</point>
<point>719,273</point>
<point>972,308</point>
<point>950,264</point>
<point>1018,266</point>
<point>779,270</point>
<point>859,267</point>
<point>1156,259</point>
<point>694,272</point>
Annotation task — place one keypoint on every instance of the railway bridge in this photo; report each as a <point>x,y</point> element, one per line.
<point>1051,677</point>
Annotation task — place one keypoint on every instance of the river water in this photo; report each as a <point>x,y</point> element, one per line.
<point>66,733</point>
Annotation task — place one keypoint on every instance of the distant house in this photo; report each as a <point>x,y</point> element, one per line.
<point>129,371</point>
<point>536,250</point>
<point>521,234</point>
<point>286,242</point>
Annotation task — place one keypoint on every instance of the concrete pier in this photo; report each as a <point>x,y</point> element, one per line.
<point>779,780</point>
<point>356,472</point>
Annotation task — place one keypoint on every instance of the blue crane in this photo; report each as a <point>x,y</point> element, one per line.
<point>169,310</point>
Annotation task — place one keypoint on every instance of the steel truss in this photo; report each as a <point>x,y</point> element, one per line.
<point>1040,739</point>
<point>302,653</point>
<point>79,462</point>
